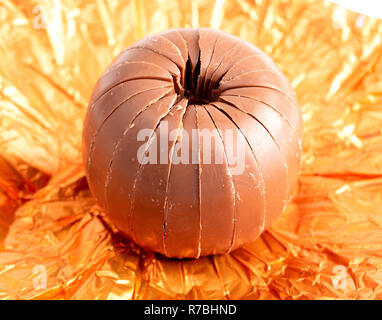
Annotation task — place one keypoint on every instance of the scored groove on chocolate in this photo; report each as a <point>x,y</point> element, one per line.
<point>232,44</point>
<point>276,124</point>
<point>230,178</point>
<point>183,218</point>
<point>170,156</point>
<point>110,129</point>
<point>142,166</point>
<point>254,157</point>
<point>270,159</point>
<point>282,112</point>
<point>221,107</point>
<point>185,80</point>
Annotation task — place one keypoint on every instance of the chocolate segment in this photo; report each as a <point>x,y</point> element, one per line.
<point>126,160</point>
<point>271,162</point>
<point>278,128</point>
<point>237,52</point>
<point>191,36</point>
<point>112,100</point>
<point>182,210</point>
<point>126,71</point>
<point>217,191</point>
<point>247,179</point>
<point>279,102</point>
<point>223,46</point>
<point>175,37</point>
<point>147,55</point>
<point>151,183</point>
<point>261,78</point>
<point>207,41</point>
<point>107,141</point>
<point>192,142</point>
<point>164,47</point>
<point>255,62</point>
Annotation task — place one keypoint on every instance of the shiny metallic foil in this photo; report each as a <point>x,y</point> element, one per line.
<point>56,242</point>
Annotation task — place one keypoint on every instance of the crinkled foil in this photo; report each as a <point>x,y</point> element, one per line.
<point>55,241</point>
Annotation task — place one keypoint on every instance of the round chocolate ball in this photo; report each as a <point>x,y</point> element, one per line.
<point>192,142</point>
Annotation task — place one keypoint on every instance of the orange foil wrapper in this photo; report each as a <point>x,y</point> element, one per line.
<point>56,242</point>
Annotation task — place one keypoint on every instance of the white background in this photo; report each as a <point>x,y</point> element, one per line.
<point>371,8</point>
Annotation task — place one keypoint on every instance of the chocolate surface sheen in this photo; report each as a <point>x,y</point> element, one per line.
<point>149,160</point>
